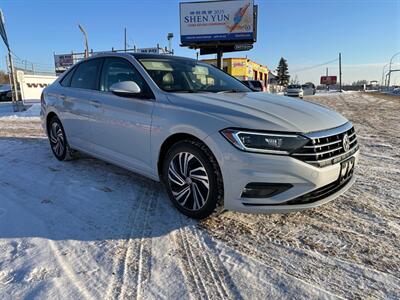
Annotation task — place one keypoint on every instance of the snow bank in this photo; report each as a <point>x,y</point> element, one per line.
<point>6,112</point>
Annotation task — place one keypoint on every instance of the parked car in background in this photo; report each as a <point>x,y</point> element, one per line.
<point>254,85</point>
<point>201,132</point>
<point>5,92</point>
<point>294,90</point>
<point>308,89</point>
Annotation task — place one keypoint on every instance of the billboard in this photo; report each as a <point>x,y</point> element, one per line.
<point>63,60</point>
<point>226,21</point>
<point>328,80</point>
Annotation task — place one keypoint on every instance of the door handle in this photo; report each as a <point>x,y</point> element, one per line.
<point>63,97</point>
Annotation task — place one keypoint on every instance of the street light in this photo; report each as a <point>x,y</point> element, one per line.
<point>86,40</point>
<point>390,67</point>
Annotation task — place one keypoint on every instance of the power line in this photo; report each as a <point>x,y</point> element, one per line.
<point>30,62</point>
<point>315,66</point>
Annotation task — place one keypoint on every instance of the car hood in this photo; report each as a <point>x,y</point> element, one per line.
<point>261,111</point>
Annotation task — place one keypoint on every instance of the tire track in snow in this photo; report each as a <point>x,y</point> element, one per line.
<point>132,265</point>
<point>69,272</point>
<point>193,280</point>
<point>286,255</point>
<point>140,253</point>
<point>223,282</point>
<point>114,288</point>
<point>203,271</point>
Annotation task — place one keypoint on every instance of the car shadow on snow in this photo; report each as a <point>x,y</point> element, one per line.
<point>85,199</point>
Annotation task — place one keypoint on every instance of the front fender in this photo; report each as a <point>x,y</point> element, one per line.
<point>169,120</point>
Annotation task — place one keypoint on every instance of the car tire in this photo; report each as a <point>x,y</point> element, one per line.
<point>193,179</point>
<point>58,140</point>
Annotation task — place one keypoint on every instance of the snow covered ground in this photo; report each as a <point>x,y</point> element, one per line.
<point>89,230</point>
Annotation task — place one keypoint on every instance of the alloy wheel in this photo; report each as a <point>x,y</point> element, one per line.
<point>189,181</point>
<point>57,139</point>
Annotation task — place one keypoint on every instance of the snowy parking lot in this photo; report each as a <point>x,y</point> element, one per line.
<point>86,229</point>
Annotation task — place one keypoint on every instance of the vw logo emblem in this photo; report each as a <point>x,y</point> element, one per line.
<point>346,143</point>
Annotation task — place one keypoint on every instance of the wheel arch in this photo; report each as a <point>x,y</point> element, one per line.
<point>49,116</point>
<point>171,140</point>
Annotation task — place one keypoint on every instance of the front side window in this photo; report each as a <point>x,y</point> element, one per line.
<point>86,74</point>
<point>186,75</point>
<point>117,70</point>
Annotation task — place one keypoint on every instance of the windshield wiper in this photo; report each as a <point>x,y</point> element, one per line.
<point>182,91</point>
<point>228,91</point>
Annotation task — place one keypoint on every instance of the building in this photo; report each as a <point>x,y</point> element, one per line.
<point>243,69</point>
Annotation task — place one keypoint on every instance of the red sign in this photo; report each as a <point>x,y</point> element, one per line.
<point>328,80</point>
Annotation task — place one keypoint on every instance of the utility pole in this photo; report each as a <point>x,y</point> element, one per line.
<point>327,86</point>
<point>14,93</point>
<point>125,39</point>
<point>220,60</point>
<point>340,72</point>
<point>12,77</point>
<point>86,40</point>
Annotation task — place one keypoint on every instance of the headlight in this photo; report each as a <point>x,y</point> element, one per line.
<point>273,143</point>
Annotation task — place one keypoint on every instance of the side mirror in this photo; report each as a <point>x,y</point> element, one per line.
<point>125,88</point>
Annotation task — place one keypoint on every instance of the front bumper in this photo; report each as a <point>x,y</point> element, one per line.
<point>240,168</point>
<point>293,94</point>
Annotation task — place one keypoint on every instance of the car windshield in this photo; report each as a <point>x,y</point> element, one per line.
<point>294,86</point>
<point>186,75</point>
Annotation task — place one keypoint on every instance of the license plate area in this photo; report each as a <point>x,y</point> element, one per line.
<point>346,169</point>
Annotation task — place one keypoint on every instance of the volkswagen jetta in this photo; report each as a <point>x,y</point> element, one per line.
<point>201,132</point>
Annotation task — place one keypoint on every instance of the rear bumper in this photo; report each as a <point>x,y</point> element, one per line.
<point>241,168</point>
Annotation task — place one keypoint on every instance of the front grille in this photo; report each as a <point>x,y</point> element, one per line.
<point>326,147</point>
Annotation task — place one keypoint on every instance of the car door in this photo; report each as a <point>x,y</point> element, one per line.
<point>78,104</point>
<point>122,127</point>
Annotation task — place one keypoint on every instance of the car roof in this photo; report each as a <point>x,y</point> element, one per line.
<point>137,55</point>
<point>158,56</point>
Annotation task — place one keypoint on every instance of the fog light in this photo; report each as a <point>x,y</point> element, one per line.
<point>264,190</point>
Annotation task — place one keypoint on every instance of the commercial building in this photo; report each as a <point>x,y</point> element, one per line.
<point>243,69</point>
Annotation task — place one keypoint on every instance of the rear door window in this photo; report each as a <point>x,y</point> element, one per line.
<point>86,75</point>
<point>66,81</point>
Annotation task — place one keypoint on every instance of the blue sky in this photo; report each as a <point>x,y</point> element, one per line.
<point>306,33</point>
